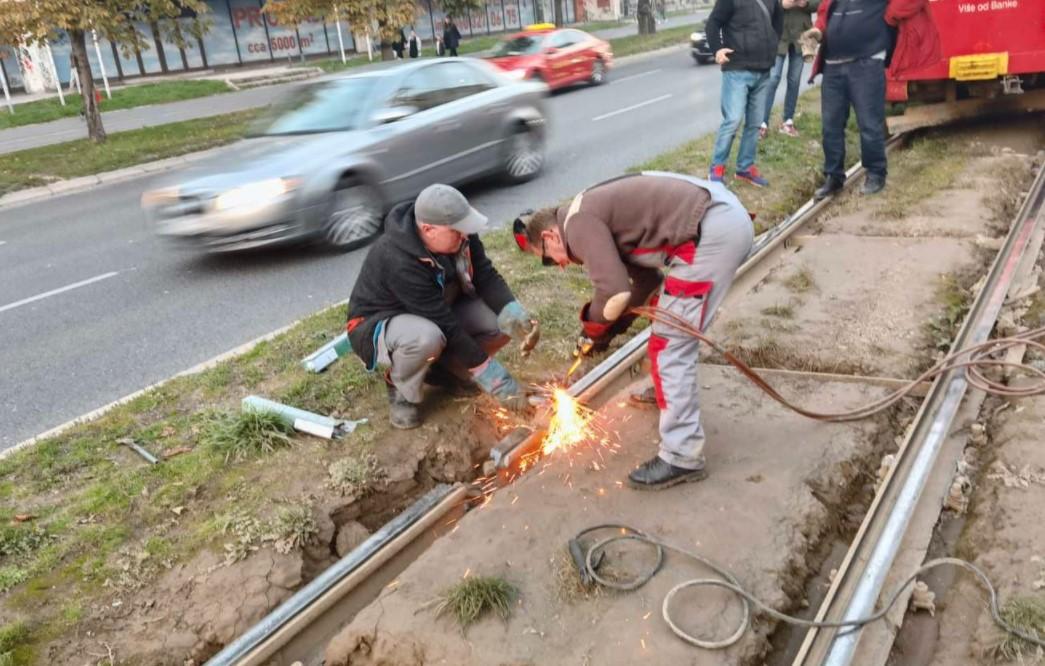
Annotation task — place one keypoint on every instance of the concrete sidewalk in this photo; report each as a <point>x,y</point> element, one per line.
<point>70,129</point>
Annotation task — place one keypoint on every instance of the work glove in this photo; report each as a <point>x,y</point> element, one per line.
<point>515,320</point>
<point>595,337</point>
<point>493,378</point>
<point>808,42</point>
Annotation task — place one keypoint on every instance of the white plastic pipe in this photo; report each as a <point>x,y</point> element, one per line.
<point>101,65</point>
<point>340,41</point>
<point>54,71</point>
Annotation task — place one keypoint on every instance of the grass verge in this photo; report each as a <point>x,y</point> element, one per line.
<point>47,110</point>
<point>40,166</point>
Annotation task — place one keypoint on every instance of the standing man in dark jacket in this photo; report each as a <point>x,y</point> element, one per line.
<point>430,305</point>
<point>797,19</point>
<point>451,37</point>
<point>855,43</point>
<point>744,35</point>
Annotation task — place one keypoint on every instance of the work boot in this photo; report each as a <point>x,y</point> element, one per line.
<point>830,186</point>
<point>442,378</point>
<point>873,184</point>
<point>656,474</point>
<point>645,397</point>
<point>402,413</point>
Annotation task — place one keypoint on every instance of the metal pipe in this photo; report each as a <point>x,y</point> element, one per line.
<point>304,600</point>
<point>7,93</point>
<point>134,446</point>
<point>300,419</point>
<point>976,330</point>
<point>325,356</point>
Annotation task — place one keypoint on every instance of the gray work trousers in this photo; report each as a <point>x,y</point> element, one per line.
<point>693,289</point>
<point>409,344</point>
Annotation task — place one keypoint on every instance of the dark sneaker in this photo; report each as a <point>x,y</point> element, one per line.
<point>830,186</point>
<point>439,377</point>
<point>751,175</point>
<point>402,413</point>
<point>647,397</point>
<point>717,173</point>
<point>873,184</point>
<point>655,474</point>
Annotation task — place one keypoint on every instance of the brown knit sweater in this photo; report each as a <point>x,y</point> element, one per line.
<point>627,229</point>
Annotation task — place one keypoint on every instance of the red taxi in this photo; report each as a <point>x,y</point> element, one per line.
<point>557,56</point>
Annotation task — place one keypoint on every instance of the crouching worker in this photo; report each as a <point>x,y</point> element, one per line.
<point>430,306</point>
<point>625,232</point>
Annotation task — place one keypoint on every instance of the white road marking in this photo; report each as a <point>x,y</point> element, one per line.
<point>55,292</point>
<point>3,242</point>
<point>631,108</point>
<point>634,76</point>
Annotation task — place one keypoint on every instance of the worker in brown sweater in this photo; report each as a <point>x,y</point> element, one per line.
<point>625,232</point>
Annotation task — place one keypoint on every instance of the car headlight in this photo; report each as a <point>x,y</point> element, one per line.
<point>255,195</point>
<point>697,37</point>
<point>517,74</point>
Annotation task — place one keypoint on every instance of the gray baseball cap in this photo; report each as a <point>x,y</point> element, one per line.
<point>443,206</point>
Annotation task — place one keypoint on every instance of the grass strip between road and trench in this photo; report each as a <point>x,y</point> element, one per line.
<point>40,166</point>
<point>46,110</point>
<point>82,514</point>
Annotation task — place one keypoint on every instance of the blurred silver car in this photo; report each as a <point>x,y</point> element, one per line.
<point>328,163</point>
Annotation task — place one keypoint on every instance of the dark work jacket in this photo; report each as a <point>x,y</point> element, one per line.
<point>400,276</point>
<point>740,25</point>
<point>856,29</point>
<point>451,36</point>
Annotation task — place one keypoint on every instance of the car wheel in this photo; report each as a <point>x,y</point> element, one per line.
<point>598,72</point>
<point>355,216</point>
<point>524,155</point>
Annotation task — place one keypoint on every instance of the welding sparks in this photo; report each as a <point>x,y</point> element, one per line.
<point>569,424</point>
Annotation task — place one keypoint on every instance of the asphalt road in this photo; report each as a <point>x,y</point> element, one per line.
<point>69,129</point>
<point>93,307</point>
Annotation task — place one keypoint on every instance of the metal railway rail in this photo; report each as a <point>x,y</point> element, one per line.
<point>860,580</point>
<point>288,621</point>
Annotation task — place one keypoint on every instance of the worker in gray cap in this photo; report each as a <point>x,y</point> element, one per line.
<point>431,308</point>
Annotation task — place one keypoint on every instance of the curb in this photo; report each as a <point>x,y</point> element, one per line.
<point>85,183</point>
<point>94,414</point>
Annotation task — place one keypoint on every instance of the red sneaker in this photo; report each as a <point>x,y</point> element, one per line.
<point>751,175</point>
<point>717,173</point>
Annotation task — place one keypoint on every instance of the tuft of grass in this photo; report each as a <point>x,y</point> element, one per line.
<point>11,576</point>
<point>353,475</point>
<point>473,597</point>
<point>1028,615</point>
<point>293,527</point>
<point>955,300</point>
<point>782,311</point>
<point>14,644</point>
<point>801,281</point>
<point>245,434</point>
<point>567,584</point>
<point>21,541</point>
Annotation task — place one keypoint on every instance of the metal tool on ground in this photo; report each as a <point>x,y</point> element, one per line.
<point>584,347</point>
<point>325,356</point>
<point>531,339</point>
<point>140,450</point>
<point>302,420</point>
<point>499,453</point>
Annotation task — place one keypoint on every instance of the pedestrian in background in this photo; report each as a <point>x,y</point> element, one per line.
<point>399,45</point>
<point>451,37</point>
<point>855,42</point>
<point>414,44</point>
<point>743,35</point>
<point>797,19</point>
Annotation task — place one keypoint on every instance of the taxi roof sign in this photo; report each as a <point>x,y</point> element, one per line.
<point>539,27</point>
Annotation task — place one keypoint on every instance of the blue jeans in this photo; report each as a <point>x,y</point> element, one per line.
<point>743,96</point>
<point>862,84</point>
<point>794,82</point>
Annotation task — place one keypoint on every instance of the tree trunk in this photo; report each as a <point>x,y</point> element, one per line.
<point>91,113</point>
<point>558,12</point>
<point>647,22</point>
<point>155,27</point>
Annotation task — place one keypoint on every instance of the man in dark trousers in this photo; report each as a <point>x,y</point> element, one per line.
<point>451,37</point>
<point>430,306</point>
<point>743,35</point>
<point>855,42</point>
<point>625,232</point>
